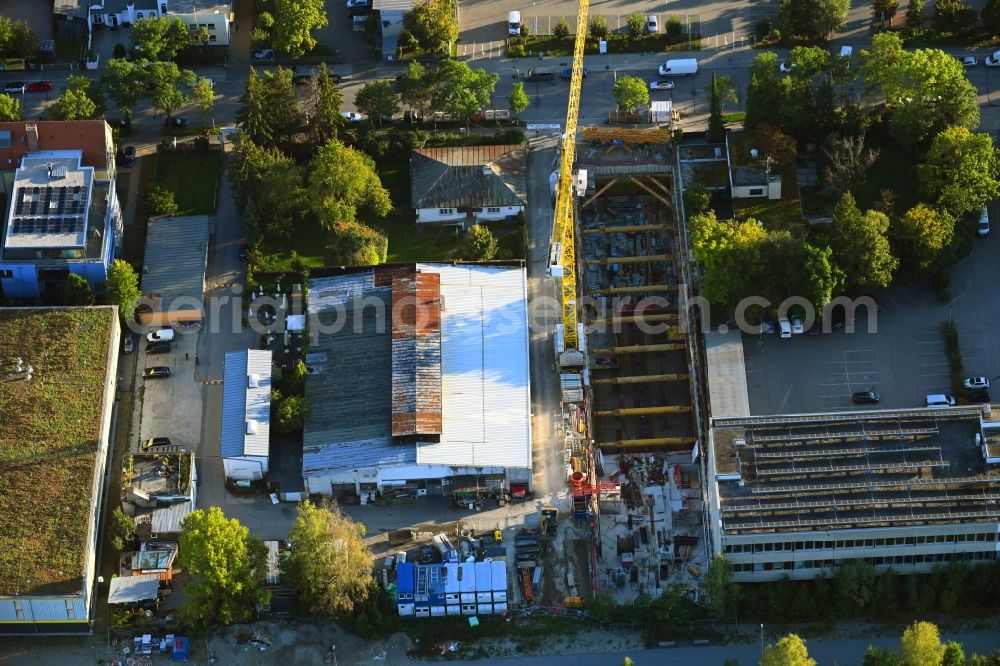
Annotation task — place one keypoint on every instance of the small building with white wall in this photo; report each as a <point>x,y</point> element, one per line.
<point>246,415</point>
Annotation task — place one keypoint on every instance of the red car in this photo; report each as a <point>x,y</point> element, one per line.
<point>40,86</point>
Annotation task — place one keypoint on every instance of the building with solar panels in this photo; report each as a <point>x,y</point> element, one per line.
<point>63,217</point>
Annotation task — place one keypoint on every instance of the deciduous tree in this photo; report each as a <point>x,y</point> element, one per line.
<point>991,17</point>
<point>884,10</point>
<point>122,529</point>
<point>920,645</point>
<point>636,25</point>
<point>377,100</point>
<point>954,655</point>
<point>518,99</point>
<point>18,39</point>
<point>723,593</point>
<point>432,23</point>
<point>953,16</point>
<point>289,411</point>
<point>341,180</point>
<point>861,248</point>
<point>355,244</point>
<point>168,82</point>
<point>812,19</point>
<point>879,657</point>
<point>294,23</point>
<point>75,290</point>
<point>123,287</point>
<point>959,171</point>
<point>847,161</point>
<point>329,565</point>
<point>789,651</point>
<point>461,91</point>
<point>915,14</point>
<point>479,244</point>
<point>416,86</point>
<point>160,37</point>
<point>697,199</point>
<point>10,108</point>
<point>561,29</point>
<point>326,120</point>
<point>631,93</point>
<point>598,27</point>
<point>764,91</point>
<point>81,100</point>
<point>267,190</point>
<point>160,201</point>
<point>227,566</point>
<point>125,84</point>
<point>204,97</point>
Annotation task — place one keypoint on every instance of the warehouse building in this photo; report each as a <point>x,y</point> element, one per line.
<point>417,379</point>
<point>800,495</point>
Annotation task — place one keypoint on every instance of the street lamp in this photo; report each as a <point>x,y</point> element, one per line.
<point>761,640</point>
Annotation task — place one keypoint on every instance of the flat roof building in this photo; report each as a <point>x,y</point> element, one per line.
<point>417,374</point>
<point>246,414</point>
<point>173,270</point>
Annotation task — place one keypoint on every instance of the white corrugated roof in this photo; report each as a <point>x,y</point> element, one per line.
<point>241,403</point>
<point>727,377</point>
<point>485,397</point>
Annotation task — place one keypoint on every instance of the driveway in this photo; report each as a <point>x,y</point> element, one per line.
<point>903,359</point>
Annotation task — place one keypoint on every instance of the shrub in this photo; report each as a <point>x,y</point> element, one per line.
<point>636,25</point>
<point>160,201</point>
<point>598,27</point>
<point>525,31</point>
<point>259,36</point>
<point>265,20</point>
<point>561,30</point>
<point>120,50</point>
<point>674,27</point>
<point>516,50</point>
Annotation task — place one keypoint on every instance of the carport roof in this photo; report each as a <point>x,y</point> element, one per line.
<point>727,376</point>
<point>132,589</point>
<point>175,260</point>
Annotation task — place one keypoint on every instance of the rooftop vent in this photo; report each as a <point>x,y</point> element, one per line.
<point>253,380</point>
<point>251,426</point>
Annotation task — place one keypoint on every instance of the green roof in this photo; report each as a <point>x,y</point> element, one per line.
<point>49,433</point>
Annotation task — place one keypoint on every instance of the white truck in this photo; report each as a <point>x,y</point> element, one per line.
<point>680,67</point>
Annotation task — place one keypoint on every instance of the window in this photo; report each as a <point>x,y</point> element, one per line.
<point>492,210</point>
<point>446,211</point>
<point>756,192</point>
<point>211,26</point>
<point>211,38</point>
<point>5,139</point>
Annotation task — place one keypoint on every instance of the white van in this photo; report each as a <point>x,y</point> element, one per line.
<point>514,23</point>
<point>680,67</point>
<point>940,400</point>
<point>846,52</point>
<point>162,335</point>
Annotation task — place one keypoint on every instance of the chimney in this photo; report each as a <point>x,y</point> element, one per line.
<point>31,131</point>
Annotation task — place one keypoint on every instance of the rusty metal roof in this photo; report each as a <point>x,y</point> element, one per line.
<point>416,354</point>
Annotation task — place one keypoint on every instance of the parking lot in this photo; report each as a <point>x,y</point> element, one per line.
<point>904,359</point>
<point>170,407</point>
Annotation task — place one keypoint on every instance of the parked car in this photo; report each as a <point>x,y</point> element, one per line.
<point>661,85</point>
<point>784,327</point>
<point>976,383</point>
<point>984,223</point>
<point>120,123</point>
<point>177,121</point>
<point>797,326</point>
<point>156,372</point>
<point>567,73</point>
<point>158,348</point>
<point>786,67</point>
<point>968,61</point>
<point>128,156</point>
<point>15,87</point>
<point>652,24</point>
<point>767,326</point>
<point>940,400</point>
<point>161,335</point>
<point>351,116</point>
<point>128,346</point>
<point>865,398</point>
<point>979,395</point>
<point>40,86</point>
<point>155,441</point>
<point>992,60</point>
<point>357,3</point>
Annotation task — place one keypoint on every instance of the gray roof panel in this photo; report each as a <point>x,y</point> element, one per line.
<point>468,177</point>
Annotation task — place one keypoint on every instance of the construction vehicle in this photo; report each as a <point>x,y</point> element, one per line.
<point>498,534</point>
<point>550,517</point>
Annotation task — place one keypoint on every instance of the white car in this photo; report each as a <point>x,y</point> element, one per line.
<point>969,61</point>
<point>984,223</point>
<point>787,67</point>
<point>797,326</point>
<point>784,328</point>
<point>357,3</point>
<point>976,383</point>
<point>351,116</point>
<point>652,24</point>
<point>992,60</point>
<point>661,85</point>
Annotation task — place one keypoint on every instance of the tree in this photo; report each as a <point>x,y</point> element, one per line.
<point>884,10</point>
<point>10,108</point>
<point>294,23</point>
<point>18,39</point>
<point>954,655</point>
<point>697,199</point>
<point>326,118</point>
<point>377,100</point>
<point>861,249</point>
<point>925,89</point>
<point>775,145</point>
<point>953,16</point>
<point>628,662</point>
<point>922,233</point>
<point>854,581</point>
<point>341,180</point>
<point>959,171</point>
<point>561,28</point>
<point>416,86</point>
<point>297,378</point>
<point>812,19</point>
<point>915,14</point>
<point>123,287</point>
<point>160,37</point>
<point>160,201</point>
<point>847,161</point>
<point>269,109</point>
<point>6,34</point>
<point>885,600</point>
<point>290,411</point>
<point>432,23</point>
<point>723,593</point>
<point>75,290</point>
<point>636,25</point>
<point>920,645</point>
<point>204,97</point>
<point>122,529</point>
<point>879,657</point>
<point>518,99</point>
<point>355,244</point>
<point>789,651</point>
<point>631,93</point>
<point>329,565</point>
<point>124,83</point>
<point>76,102</point>
<point>808,61</point>
<point>764,90</point>
<point>166,79</point>
<point>716,125</point>
<point>227,566</point>
<point>479,244</point>
<point>991,17</point>
<point>598,27</point>
<point>461,91</point>
<point>267,189</point>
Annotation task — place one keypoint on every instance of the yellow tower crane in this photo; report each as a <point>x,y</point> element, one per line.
<point>563,225</point>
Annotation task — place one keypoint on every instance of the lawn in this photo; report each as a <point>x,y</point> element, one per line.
<point>49,431</point>
<point>193,176</point>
